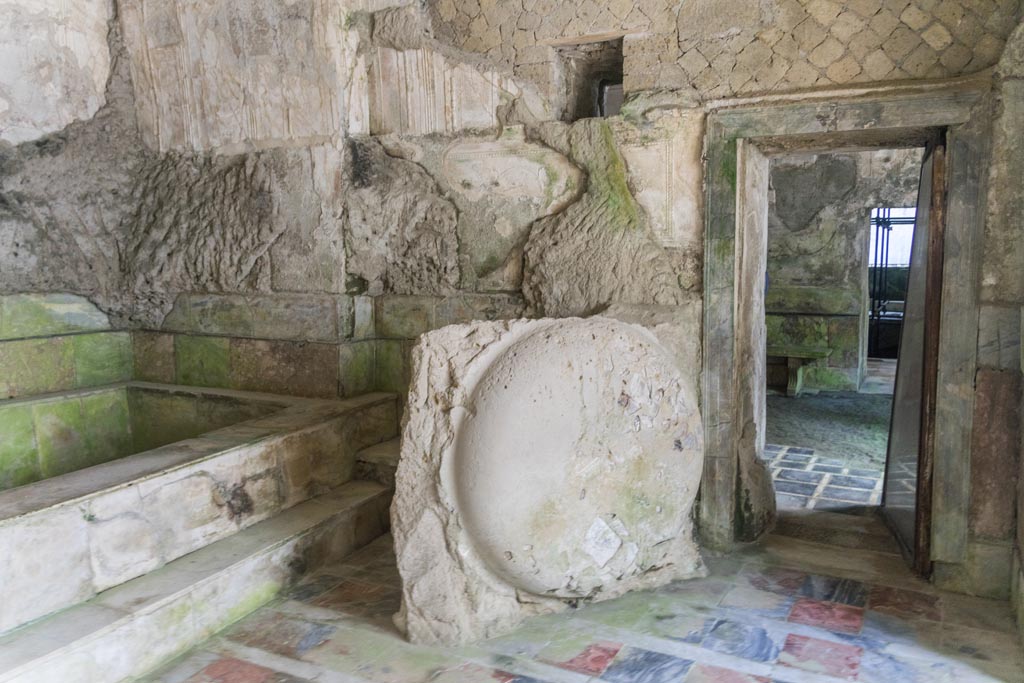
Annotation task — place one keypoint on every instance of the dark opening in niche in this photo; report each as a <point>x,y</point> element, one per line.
<point>592,74</point>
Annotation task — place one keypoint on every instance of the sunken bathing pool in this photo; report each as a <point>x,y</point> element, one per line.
<point>134,475</point>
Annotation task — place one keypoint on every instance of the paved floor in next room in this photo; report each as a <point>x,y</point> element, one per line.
<point>786,611</point>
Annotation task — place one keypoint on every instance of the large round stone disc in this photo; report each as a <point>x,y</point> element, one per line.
<point>579,455</point>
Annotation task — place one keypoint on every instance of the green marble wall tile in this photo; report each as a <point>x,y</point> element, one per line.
<point>356,368</point>
<point>37,315</point>
<point>19,463</point>
<point>391,366</point>
<point>284,367</point>
<point>404,317</point>
<point>102,358</point>
<point>60,436</point>
<point>227,315</point>
<point>108,428</point>
<point>36,366</point>
<point>153,357</point>
<point>202,361</point>
<point>159,418</point>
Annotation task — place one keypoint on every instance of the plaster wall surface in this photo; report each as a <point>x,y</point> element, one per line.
<point>54,65</point>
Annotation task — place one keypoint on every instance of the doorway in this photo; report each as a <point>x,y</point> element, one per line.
<point>737,500</point>
<point>843,248</point>
<point>838,251</point>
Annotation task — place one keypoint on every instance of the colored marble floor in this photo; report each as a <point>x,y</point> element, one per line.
<point>804,479</point>
<point>784,611</point>
<point>879,376</point>
<point>843,426</point>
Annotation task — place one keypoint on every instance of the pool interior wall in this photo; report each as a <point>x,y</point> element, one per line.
<point>51,435</point>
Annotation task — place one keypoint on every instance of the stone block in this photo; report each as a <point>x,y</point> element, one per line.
<point>985,571</point>
<point>123,544</point>
<point>179,318</point>
<point>284,367</point>
<point>102,358</point>
<point>797,330</point>
<point>159,418</point>
<point>391,365</point>
<point>844,340</point>
<point>43,315</point>
<point>404,317</point>
<point>219,314</point>
<point>995,447</point>
<point>543,463</point>
<point>232,95</point>
<point>877,65</point>
<point>356,368</point>
<point>36,366</point>
<point>153,357</point>
<point>828,52</point>
<point>999,331</point>
<point>811,300</point>
<point>1003,250</point>
<point>844,70</point>
<point>831,379</point>
<point>18,461</point>
<point>363,326</point>
<point>55,574</point>
<point>107,425</point>
<point>202,361</point>
<point>61,436</point>
<point>304,317</point>
<point>420,92</point>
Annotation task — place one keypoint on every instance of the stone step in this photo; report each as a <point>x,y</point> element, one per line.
<point>379,462</point>
<point>129,630</point>
<point>68,538</point>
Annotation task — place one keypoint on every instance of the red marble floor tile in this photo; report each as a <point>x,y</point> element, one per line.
<point>775,580</point>
<point>832,616</point>
<point>821,656</point>
<point>904,603</point>
<point>349,592</point>
<point>230,670</point>
<point>594,659</point>
<point>705,673</point>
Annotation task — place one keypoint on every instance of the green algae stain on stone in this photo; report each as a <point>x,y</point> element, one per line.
<point>60,435</point>
<point>202,361</point>
<point>35,366</point>
<point>611,181</point>
<point>18,461</point>
<point>108,430</point>
<point>102,358</point>
<point>356,368</point>
<point>390,366</point>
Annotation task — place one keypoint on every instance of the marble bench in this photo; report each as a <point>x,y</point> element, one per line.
<point>796,358</point>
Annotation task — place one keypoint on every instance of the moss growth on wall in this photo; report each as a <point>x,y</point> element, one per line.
<point>18,462</point>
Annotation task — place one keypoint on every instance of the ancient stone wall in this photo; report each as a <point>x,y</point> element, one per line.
<point>230,77</point>
<point>818,238</point>
<point>63,199</point>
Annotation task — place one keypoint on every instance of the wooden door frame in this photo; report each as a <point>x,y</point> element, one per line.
<point>735,505</point>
